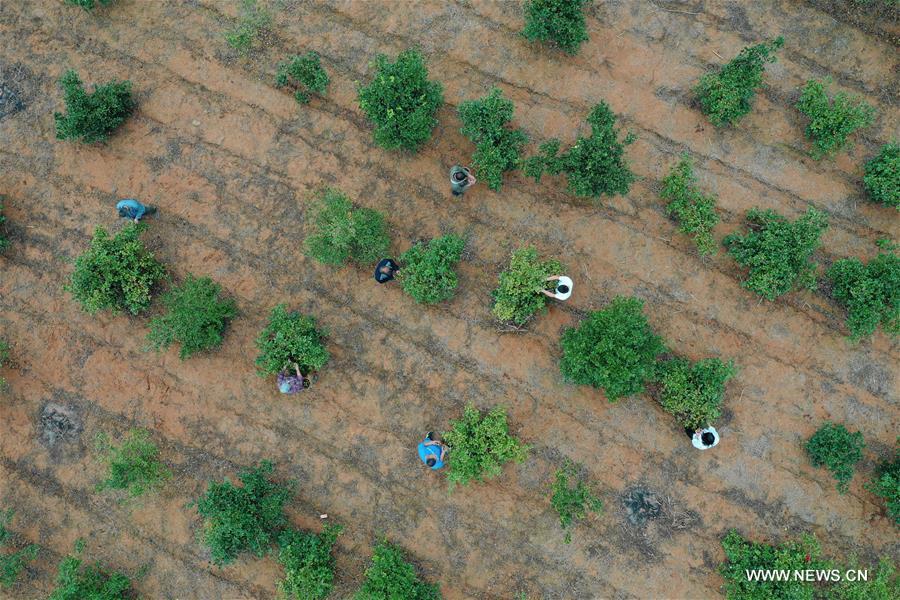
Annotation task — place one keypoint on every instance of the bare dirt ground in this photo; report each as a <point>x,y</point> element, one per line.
<point>230,161</point>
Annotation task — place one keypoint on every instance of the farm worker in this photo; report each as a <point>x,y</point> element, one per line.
<point>385,270</point>
<point>704,438</point>
<point>291,383</point>
<point>431,452</point>
<point>460,179</point>
<point>563,287</point>
<point>129,208</point>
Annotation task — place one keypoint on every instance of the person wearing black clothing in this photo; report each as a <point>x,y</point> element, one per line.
<point>385,270</point>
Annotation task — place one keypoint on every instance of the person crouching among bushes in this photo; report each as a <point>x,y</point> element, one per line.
<point>431,452</point>
<point>386,270</point>
<point>563,289</point>
<point>460,180</point>
<point>292,382</point>
<point>129,208</point>
<point>703,438</point>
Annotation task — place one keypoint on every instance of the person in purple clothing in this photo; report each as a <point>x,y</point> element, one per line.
<point>291,383</point>
<point>431,452</point>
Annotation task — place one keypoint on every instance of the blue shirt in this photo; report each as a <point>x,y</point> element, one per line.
<point>133,209</point>
<point>435,451</point>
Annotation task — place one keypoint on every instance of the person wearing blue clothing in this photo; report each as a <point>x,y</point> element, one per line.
<point>431,452</point>
<point>129,208</point>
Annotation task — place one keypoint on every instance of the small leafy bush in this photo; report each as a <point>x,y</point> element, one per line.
<point>12,564</point>
<point>836,449</point>
<point>886,485</point>
<point>289,338</point>
<point>196,317</point>
<point>342,231</point>
<point>305,74</point>
<point>558,22</point>
<point>134,466</point>
<point>695,211</point>
<point>88,4</point>
<point>480,445</point>
<point>777,251</point>
<point>428,272</point>
<point>614,349</point>
<point>693,391</point>
<point>252,21</point>
<point>831,120</point>
<point>243,519</point>
<point>870,292</point>
<point>92,117</point>
<point>594,165</point>
<point>884,586</point>
<point>572,498</point>
<point>391,577</point>
<point>743,555</point>
<point>308,562</point>
<point>401,102</point>
<point>79,581</point>
<point>518,297</point>
<point>4,358</point>
<point>497,147</point>
<point>727,95</point>
<point>4,243</point>
<point>882,178</point>
<point>116,273</point>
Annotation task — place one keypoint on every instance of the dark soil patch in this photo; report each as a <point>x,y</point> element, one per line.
<point>59,424</point>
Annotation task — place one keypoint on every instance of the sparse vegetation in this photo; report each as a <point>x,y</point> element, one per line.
<point>401,101</point>
<point>12,563</point>
<point>196,317</point>
<point>885,585</point>
<point>88,4</point>
<point>480,444</point>
<point>882,178</point>
<point>693,391</point>
<point>342,231</point>
<point>391,577</point>
<point>614,349</point>
<point>308,562</point>
<point>304,74</point>
<point>4,242</point>
<point>252,21</point>
<point>777,251</point>
<point>134,466</point>
<point>92,117</point>
<point>743,555</point>
<point>78,581</point>
<point>116,273</point>
<point>248,518</point>
<point>4,360</point>
<point>726,96</point>
<point>836,449</point>
<point>497,146</point>
<point>518,297</point>
<point>694,210</point>
<point>831,120</point>
<point>289,338</point>
<point>886,484</point>
<point>572,497</point>
<point>594,165</point>
<point>557,22</point>
<point>428,271</point>
<point>870,292</point>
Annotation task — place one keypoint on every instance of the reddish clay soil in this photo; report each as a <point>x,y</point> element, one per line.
<point>231,162</point>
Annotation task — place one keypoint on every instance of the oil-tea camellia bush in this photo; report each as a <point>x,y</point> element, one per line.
<point>92,117</point>
<point>341,231</point>
<point>77,580</point>
<point>836,449</point>
<point>556,22</point>
<point>882,178</point>
<point>308,562</point>
<point>518,296</point>
<point>831,120</point>
<point>303,73</point>
<point>290,338</point>
<point>694,210</point>
<point>572,498</point>
<point>88,5</point>
<point>133,466</point>
<point>401,102</point>
<point>4,242</point>
<point>742,555</point>
<point>480,444</point>
<point>693,391</point>
<point>870,292</point>
<point>391,577</point>
<point>886,484</point>
<point>497,146</point>
<point>12,563</point>
<point>428,271</point>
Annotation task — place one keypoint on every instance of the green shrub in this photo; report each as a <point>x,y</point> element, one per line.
<point>870,292</point>
<point>77,581</point>
<point>777,251</point>
<point>518,297</point>
<point>133,466</point>
<point>252,21</point>
<point>497,147</point>
<point>614,349</point>
<point>11,564</point>
<point>116,273</point>
<point>831,120</point>
<point>4,243</point>
<point>480,445</point>
<point>743,555</point>
<point>342,232</point>
<point>693,391</point>
<point>197,315</point>
<point>557,22</point>
<point>401,102</point>
<point>727,95</point>
<point>886,485</point>
<point>391,577</point>
<point>882,178</point>
<point>695,211</point>
<point>289,338</point>
<point>308,563</point>
<point>4,359</point>
<point>305,74</point>
<point>427,271</point>
<point>836,449</point>
<point>243,519</point>
<point>572,498</point>
<point>884,586</point>
<point>92,117</point>
<point>594,165</point>
<point>88,4</point>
